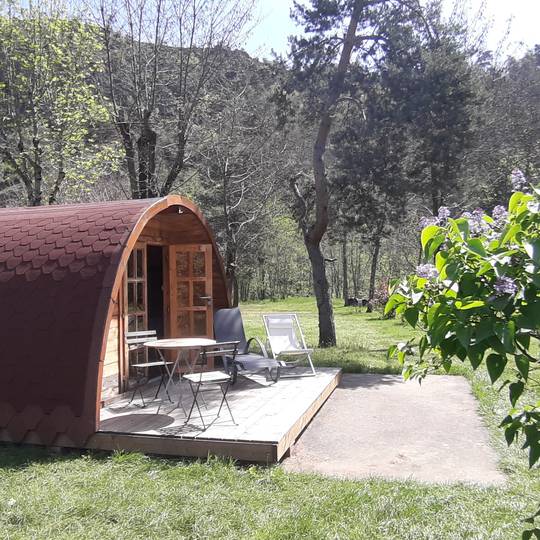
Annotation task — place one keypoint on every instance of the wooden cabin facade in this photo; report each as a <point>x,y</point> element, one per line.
<point>74,280</point>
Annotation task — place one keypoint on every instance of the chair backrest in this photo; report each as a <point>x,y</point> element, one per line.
<point>284,332</point>
<point>223,348</point>
<point>228,326</point>
<point>135,340</point>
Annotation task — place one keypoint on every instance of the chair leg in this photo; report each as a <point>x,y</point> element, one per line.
<point>195,403</point>
<point>135,390</point>
<point>224,400</point>
<point>275,377</point>
<point>311,364</point>
<point>162,384</point>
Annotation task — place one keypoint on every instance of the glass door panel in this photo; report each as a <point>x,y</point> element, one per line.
<point>135,295</point>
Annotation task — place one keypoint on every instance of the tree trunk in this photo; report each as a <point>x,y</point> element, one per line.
<point>178,163</point>
<point>345,268</point>
<point>146,147</point>
<point>373,271</point>
<point>37,196</point>
<point>129,151</point>
<point>230,272</point>
<point>314,233</point>
<point>327,330</point>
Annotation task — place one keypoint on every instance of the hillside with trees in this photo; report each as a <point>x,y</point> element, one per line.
<point>315,170</point>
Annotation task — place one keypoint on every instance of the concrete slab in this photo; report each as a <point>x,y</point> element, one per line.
<point>380,426</point>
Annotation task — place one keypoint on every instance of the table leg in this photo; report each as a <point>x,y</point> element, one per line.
<point>173,370</point>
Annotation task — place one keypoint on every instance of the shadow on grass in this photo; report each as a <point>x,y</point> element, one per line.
<point>15,456</point>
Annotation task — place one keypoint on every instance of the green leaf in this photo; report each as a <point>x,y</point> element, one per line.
<point>515,199</point>
<point>463,334</point>
<point>391,352</point>
<point>532,247</point>
<point>475,356</point>
<point>531,312</point>
<point>522,364</point>
<point>476,246</point>
<point>411,316</point>
<point>440,260</point>
<point>516,389</point>
<point>510,433</point>
<point>534,453</point>
<point>495,364</point>
<point>484,269</point>
<point>428,233</point>
<point>484,330</point>
<point>393,301</point>
<point>509,233</point>
<point>433,245</point>
<point>450,271</point>
<point>505,331</point>
<point>460,226</point>
<point>469,305</point>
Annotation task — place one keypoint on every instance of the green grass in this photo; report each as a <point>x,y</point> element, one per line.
<point>363,338</point>
<point>130,496</point>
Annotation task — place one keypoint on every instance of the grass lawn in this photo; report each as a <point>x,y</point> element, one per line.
<point>130,496</point>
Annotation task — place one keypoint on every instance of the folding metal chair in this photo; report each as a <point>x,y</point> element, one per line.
<point>287,341</point>
<point>135,342</point>
<point>197,381</point>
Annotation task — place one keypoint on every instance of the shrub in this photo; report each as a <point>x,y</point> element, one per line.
<point>478,301</point>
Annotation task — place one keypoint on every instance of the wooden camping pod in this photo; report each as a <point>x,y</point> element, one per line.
<point>64,304</point>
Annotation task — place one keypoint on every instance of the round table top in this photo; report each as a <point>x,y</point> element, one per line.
<point>180,343</point>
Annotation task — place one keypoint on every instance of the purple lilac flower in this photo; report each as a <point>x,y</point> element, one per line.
<point>427,271</point>
<point>439,219</point>
<point>444,214</point>
<point>518,180</point>
<point>427,221</point>
<point>477,225</point>
<point>505,285</point>
<point>500,215</point>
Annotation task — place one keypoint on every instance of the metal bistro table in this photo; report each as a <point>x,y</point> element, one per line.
<point>182,346</point>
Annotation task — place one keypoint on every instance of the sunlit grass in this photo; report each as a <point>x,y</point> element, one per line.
<point>363,338</point>
<point>130,496</point>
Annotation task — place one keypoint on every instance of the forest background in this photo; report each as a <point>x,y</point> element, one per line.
<point>116,99</point>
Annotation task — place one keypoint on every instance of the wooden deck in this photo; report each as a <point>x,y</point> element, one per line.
<point>269,417</point>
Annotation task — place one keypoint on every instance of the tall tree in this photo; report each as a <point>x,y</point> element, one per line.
<point>161,57</point>
<point>337,32</point>
<point>429,71</point>
<point>239,159</point>
<point>49,109</point>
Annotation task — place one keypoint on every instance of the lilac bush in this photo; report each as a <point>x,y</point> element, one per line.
<point>477,300</point>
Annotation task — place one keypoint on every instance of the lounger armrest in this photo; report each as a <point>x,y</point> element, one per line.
<point>259,343</point>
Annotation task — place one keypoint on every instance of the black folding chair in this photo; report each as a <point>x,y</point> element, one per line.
<point>228,326</point>
<point>135,343</point>
<point>198,381</point>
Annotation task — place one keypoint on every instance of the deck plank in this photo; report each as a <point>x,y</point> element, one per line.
<point>269,418</point>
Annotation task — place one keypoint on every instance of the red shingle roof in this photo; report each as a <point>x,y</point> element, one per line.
<point>58,265</point>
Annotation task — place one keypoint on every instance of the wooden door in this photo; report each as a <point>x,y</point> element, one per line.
<point>190,282</point>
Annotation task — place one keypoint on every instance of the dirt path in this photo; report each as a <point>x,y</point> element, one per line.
<point>378,425</point>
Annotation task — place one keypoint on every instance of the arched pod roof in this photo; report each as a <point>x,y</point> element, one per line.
<point>60,268</point>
